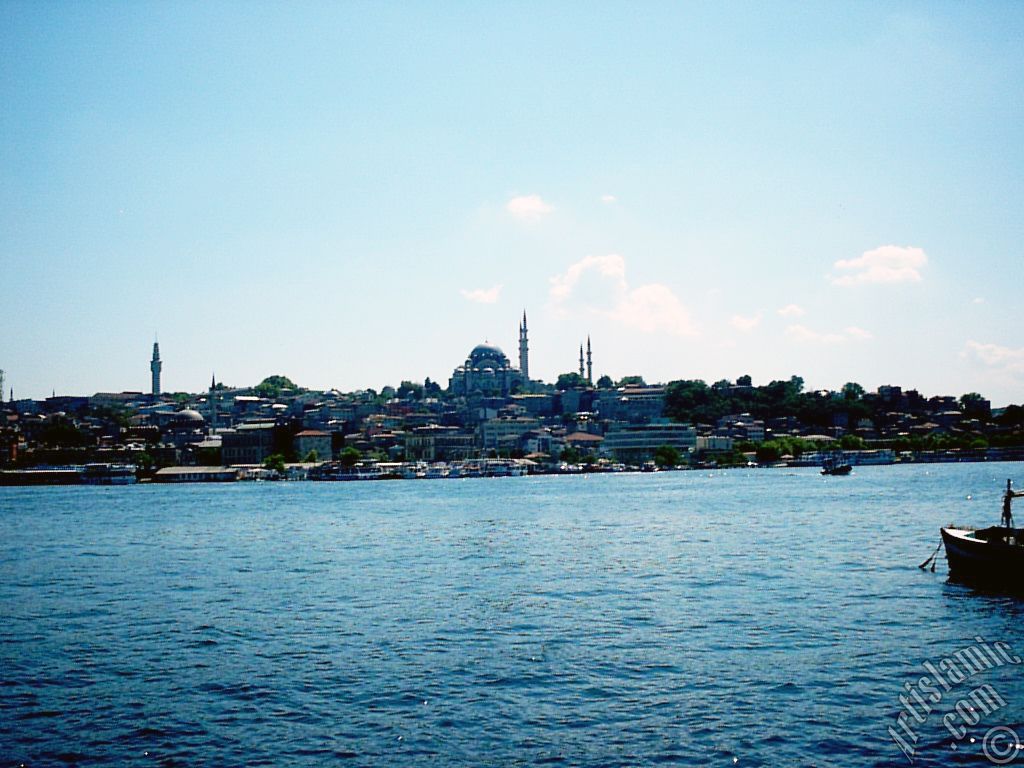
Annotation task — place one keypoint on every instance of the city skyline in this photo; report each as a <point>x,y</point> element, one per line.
<point>353,196</point>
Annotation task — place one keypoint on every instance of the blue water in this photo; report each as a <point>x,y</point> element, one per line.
<point>748,617</point>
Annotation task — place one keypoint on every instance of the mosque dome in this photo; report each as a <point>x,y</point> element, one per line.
<point>188,416</point>
<point>488,352</point>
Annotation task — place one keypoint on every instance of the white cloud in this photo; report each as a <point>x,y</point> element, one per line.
<point>528,207</point>
<point>995,356</point>
<point>598,284</point>
<point>858,333</point>
<point>609,199</point>
<point>611,268</point>
<point>804,335</point>
<point>652,308</point>
<point>886,264</point>
<point>744,323</point>
<point>482,295</point>
<point>978,300</point>
<point>792,310</point>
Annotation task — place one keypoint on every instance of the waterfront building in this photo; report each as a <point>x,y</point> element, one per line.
<point>637,442</point>
<point>585,442</point>
<point>438,443</point>
<point>505,433</point>
<point>248,444</point>
<point>714,443</point>
<point>741,426</point>
<point>313,440</point>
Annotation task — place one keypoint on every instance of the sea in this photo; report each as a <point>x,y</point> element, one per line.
<point>750,617</point>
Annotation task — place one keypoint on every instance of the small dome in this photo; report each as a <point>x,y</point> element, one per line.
<point>189,416</point>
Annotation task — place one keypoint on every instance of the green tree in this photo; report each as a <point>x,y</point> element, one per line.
<point>312,456</point>
<point>349,456</point>
<point>853,391</point>
<point>1012,416</point>
<point>667,456</point>
<point>570,455</point>
<point>63,432</point>
<point>692,401</point>
<point>975,406</point>
<point>852,443</point>
<point>275,461</point>
<point>271,386</point>
<point>632,381</point>
<point>769,452</point>
<point>569,381</point>
<point>744,381</point>
<point>409,390</point>
<point>208,457</point>
<point>144,462</point>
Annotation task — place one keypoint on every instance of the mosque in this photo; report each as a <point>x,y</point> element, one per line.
<point>488,370</point>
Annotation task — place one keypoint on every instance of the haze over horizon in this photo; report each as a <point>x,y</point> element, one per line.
<point>353,195</point>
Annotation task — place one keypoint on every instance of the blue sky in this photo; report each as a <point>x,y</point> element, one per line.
<point>355,194</point>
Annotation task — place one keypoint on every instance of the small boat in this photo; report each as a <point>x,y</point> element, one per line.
<point>991,555</point>
<point>836,465</point>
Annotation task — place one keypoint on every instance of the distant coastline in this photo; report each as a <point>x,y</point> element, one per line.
<point>128,474</point>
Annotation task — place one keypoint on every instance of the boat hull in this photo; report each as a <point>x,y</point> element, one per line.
<point>975,559</point>
<point>843,469</point>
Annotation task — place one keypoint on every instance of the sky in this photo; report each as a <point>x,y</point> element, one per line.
<point>354,194</point>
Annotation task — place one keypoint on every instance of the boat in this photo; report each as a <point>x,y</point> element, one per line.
<point>108,474</point>
<point>836,465</point>
<point>991,555</point>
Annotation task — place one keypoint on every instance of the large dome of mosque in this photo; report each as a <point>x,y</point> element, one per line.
<point>486,351</point>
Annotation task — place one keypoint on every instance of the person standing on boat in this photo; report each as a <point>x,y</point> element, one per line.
<point>1008,502</point>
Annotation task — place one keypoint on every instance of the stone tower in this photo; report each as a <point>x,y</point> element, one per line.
<point>155,366</point>
<point>524,351</point>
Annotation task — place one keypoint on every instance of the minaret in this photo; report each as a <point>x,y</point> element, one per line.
<point>524,351</point>
<point>154,367</point>
<point>590,364</point>
<point>581,361</point>
<point>213,403</point>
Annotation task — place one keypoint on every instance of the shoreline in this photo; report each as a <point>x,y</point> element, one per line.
<point>127,474</point>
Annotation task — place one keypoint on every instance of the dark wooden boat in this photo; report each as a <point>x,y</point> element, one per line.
<point>994,555</point>
<point>836,465</point>
<point>988,555</point>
